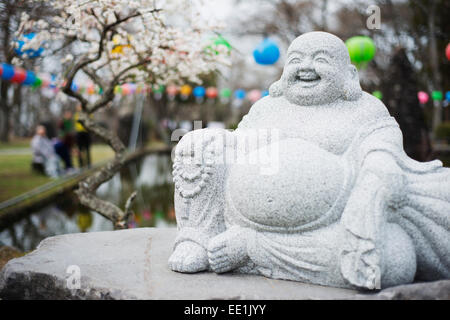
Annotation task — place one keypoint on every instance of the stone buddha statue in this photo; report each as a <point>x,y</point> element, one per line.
<point>313,186</point>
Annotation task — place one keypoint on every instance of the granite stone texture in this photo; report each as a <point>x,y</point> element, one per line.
<point>313,186</point>
<point>132,264</point>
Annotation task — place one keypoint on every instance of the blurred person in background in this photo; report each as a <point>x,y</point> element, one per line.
<point>66,139</point>
<point>44,159</point>
<point>83,140</point>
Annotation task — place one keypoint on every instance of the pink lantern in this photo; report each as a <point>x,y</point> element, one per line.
<point>212,93</point>
<point>254,95</point>
<point>172,90</point>
<point>423,97</point>
<point>447,51</point>
<point>126,89</point>
<point>46,81</point>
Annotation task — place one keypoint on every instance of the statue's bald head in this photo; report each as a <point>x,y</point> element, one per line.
<point>319,40</point>
<point>318,71</point>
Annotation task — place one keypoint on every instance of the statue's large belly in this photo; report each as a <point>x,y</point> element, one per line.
<point>299,189</point>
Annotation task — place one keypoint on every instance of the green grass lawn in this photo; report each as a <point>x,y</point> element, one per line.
<point>16,144</point>
<point>16,176</point>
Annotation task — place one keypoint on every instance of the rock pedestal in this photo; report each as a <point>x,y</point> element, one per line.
<point>132,264</point>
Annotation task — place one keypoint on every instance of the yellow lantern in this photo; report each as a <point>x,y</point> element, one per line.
<point>186,90</point>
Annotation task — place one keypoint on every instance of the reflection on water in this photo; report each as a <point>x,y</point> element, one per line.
<point>153,207</point>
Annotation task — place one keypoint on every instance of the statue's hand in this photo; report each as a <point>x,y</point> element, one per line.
<point>228,250</point>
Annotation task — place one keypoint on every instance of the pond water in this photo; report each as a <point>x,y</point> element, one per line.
<point>151,176</point>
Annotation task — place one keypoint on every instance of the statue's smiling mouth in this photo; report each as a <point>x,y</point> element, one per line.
<point>307,80</point>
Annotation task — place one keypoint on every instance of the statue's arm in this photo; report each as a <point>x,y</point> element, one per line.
<point>379,183</point>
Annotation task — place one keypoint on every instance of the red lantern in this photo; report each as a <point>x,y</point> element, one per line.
<point>212,93</point>
<point>19,75</point>
<point>447,51</point>
<point>1,70</point>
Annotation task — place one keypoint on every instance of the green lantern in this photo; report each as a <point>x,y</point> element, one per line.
<point>377,94</point>
<point>158,88</point>
<point>437,95</point>
<point>361,50</point>
<point>219,40</point>
<point>37,83</point>
<point>117,90</point>
<point>225,93</point>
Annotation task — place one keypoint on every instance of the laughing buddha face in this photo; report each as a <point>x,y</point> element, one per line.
<point>318,71</point>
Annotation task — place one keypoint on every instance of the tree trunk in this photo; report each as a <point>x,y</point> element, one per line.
<point>434,64</point>
<point>5,110</point>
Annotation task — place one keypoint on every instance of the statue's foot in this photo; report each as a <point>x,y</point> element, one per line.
<point>228,250</point>
<point>188,257</point>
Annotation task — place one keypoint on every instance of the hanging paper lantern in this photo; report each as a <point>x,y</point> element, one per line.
<point>377,94</point>
<point>117,90</point>
<point>158,91</point>
<point>90,89</point>
<point>30,79</point>
<point>239,94</point>
<point>30,53</point>
<point>172,90</point>
<point>53,81</point>
<point>199,92</point>
<point>423,97</point>
<point>212,93</point>
<point>225,93</point>
<point>19,75</point>
<point>156,88</point>
<point>46,80</point>
<point>218,41</point>
<point>254,95</point>
<point>267,52</point>
<point>126,89</point>
<point>264,93</point>
<point>8,71</point>
<point>447,51</point>
<point>447,96</point>
<point>133,87</point>
<point>361,50</point>
<point>186,90</point>
<point>437,95</point>
<point>37,83</point>
<point>74,87</point>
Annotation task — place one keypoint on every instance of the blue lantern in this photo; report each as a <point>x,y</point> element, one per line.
<point>31,53</point>
<point>264,93</point>
<point>74,87</point>
<point>267,52</point>
<point>30,78</point>
<point>8,71</point>
<point>447,96</point>
<point>239,94</point>
<point>199,92</point>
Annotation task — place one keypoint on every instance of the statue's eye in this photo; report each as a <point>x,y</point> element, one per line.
<point>295,60</point>
<point>321,60</point>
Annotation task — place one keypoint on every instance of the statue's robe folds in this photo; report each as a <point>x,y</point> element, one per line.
<point>343,247</point>
<point>388,206</point>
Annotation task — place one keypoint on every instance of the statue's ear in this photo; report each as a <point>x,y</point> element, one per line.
<point>352,88</point>
<point>275,89</point>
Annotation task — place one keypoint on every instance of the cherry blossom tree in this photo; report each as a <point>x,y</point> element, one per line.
<point>117,41</point>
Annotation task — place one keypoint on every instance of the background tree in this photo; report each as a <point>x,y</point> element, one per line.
<point>400,95</point>
<point>113,42</point>
<point>10,15</point>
